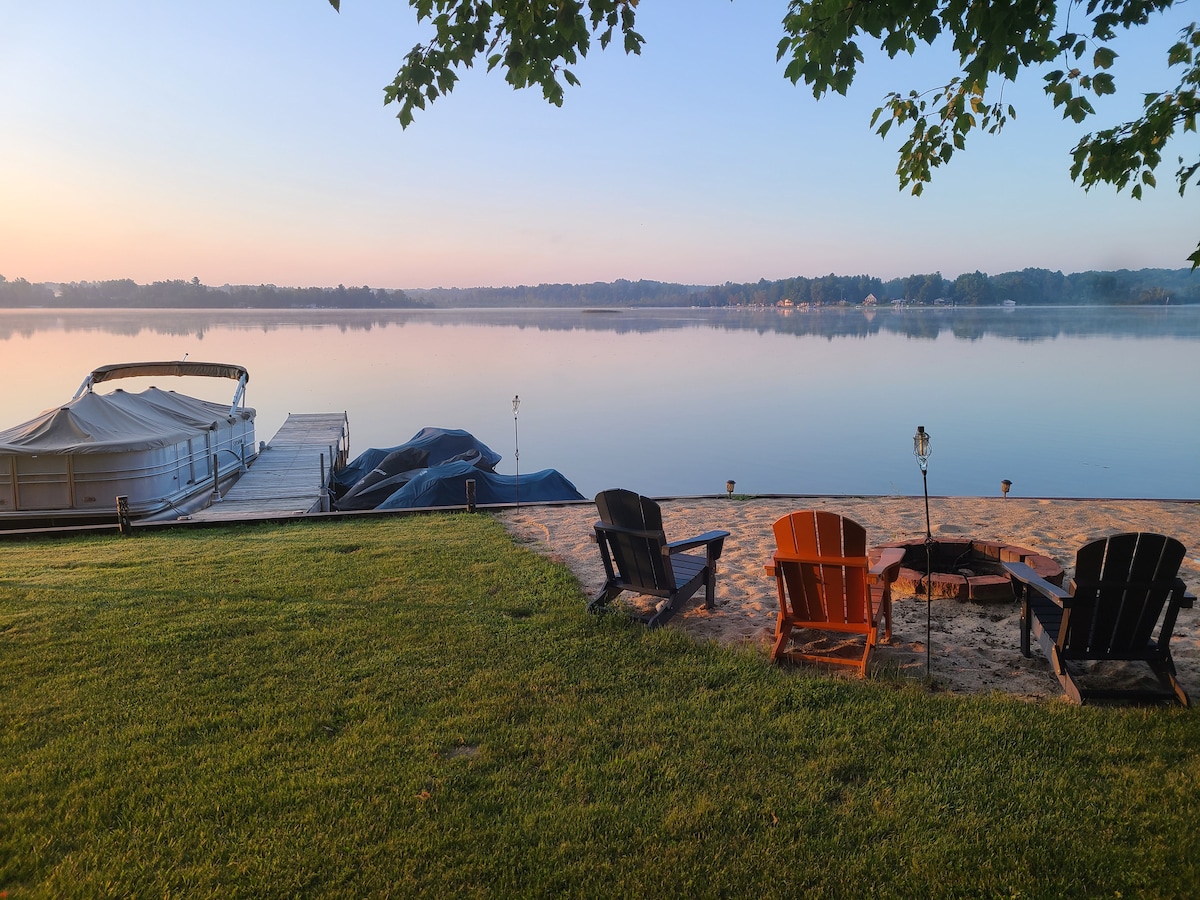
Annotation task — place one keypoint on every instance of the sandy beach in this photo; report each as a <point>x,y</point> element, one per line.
<point>974,646</point>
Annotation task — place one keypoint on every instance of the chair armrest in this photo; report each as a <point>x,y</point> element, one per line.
<point>889,558</point>
<point>1027,576</point>
<point>713,539</point>
<point>1186,600</point>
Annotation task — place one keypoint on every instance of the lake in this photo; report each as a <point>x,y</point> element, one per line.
<point>1064,402</point>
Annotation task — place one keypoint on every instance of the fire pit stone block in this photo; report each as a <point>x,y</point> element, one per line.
<point>971,570</point>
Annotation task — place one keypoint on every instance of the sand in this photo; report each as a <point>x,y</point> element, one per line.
<point>973,646</point>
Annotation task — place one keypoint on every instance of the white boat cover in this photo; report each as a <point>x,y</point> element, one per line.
<point>117,422</point>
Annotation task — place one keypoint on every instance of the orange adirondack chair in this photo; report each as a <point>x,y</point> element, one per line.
<point>826,582</point>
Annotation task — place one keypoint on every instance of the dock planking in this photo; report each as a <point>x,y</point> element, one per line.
<point>285,479</point>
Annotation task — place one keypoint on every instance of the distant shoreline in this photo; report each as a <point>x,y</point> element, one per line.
<point>1027,287</point>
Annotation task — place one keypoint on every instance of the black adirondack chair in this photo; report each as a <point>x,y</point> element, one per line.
<point>638,558</point>
<point>1121,606</point>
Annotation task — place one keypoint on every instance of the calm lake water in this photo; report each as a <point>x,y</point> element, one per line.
<point>1064,402</point>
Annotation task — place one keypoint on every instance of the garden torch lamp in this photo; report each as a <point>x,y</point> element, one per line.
<point>517,449</point>
<point>921,450</point>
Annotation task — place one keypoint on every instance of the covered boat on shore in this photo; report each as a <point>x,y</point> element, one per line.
<point>432,470</point>
<point>164,451</point>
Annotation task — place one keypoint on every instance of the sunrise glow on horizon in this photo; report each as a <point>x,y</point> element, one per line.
<point>251,146</point>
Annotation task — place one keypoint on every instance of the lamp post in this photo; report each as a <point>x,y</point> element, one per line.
<point>729,486</point>
<point>1004,487</point>
<point>922,450</point>
<point>516,404</point>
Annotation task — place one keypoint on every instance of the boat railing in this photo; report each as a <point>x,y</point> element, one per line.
<point>238,397</point>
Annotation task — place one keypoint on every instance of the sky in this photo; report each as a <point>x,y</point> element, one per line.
<point>248,143</point>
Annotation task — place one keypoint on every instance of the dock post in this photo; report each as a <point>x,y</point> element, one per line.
<point>470,495</point>
<point>123,524</point>
<point>324,487</point>
<point>216,481</point>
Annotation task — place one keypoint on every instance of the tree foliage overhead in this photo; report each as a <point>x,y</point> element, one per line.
<point>535,42</point>
<point>1071,43</point>
<point>532,41</point>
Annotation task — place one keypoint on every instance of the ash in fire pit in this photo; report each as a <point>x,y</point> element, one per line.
<point>966,569</point>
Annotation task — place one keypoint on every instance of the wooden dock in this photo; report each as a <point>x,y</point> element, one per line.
<point>286,478</point>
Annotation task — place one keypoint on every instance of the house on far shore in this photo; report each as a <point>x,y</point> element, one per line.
<point>870,300</point>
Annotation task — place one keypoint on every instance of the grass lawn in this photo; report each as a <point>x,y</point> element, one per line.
<point>392,707</point>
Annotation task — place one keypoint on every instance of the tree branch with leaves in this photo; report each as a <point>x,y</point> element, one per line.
<point>532,41</point>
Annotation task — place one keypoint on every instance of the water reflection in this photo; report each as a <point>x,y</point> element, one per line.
<point>928,323</point>
<point>1062,402</point>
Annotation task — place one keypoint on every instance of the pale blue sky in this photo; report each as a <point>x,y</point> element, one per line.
<point>248,143</point>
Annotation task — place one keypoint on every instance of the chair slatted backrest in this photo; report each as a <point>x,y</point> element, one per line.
<point>1120,586</point>
<point>823,558</point>
<point>639,560</point>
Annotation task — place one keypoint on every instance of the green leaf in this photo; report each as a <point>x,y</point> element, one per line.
<point>1103,58</point>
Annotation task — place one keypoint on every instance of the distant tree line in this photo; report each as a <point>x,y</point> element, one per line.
<point>600,294</point>
<point>1029,287</point>
<point>125,293</point>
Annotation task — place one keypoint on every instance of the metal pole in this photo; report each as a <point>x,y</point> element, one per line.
<point>921,450</point>
<point>324,501</point>
<point>928,568</point>
<point>516,404</point>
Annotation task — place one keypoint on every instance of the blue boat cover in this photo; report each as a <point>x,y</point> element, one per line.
<point>428,447</point>
<point>432,470</point>
<point>446,485</point>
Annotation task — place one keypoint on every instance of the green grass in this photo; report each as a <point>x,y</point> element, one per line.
<point>418,706</point>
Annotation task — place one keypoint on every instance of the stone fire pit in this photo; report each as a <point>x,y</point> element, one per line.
<point>965,569</point>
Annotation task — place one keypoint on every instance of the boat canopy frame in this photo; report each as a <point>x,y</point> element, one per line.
<point>181,368</point>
